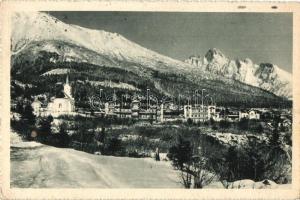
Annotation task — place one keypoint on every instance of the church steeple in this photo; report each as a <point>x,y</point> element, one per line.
<point>67,88</point>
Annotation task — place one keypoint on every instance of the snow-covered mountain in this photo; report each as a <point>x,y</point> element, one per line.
<point>43,46</point>
<point>265,75</point>
<point>38,26</point>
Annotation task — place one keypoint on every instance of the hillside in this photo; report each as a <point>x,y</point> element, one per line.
<point>42,43</point>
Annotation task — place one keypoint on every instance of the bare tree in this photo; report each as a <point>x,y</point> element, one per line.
<point>186,179</point>
<point>192,164</point>
<point>200,172</point>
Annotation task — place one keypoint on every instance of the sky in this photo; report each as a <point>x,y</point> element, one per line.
<point>262,37</point>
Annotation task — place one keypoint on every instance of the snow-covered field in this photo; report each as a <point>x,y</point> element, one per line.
<point>39,166</point>
<point>34,165</point>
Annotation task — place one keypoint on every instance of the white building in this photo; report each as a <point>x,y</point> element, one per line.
<point>199,113</point>
<point>57,106</point>
<point>251,114</point>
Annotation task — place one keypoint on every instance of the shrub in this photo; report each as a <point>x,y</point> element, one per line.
<point>256,161</point>
<point>224,124</point>
<point>189,122</point>
<point>243,124</point>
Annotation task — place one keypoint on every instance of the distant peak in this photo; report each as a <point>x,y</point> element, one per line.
<point>211,53</point>
<point>267,67</point>
<point>248,61</point>
<point>215,51</point>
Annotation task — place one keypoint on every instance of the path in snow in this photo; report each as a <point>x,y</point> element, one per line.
<point>36,166</point>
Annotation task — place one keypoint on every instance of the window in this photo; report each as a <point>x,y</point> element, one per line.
<point>59,105</point>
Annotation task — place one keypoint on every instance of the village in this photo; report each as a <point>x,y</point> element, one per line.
<point>148,109</point>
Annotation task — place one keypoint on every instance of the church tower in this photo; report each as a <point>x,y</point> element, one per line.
<point>67,89</point>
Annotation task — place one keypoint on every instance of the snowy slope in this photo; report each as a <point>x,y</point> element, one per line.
<point>38,26</point>
<point>266,76</point>
<point>56,72</point>
<point>34,165</point>
<point>274,79</point>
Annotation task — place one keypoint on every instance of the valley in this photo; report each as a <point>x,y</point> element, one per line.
<point>93,109</point>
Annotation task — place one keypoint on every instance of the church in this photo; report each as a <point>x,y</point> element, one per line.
<point>57,106</point>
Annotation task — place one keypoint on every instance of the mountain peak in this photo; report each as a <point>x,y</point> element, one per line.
<point>39,26</point>
<point>267,66</point>
<point>213,53</point>
<point>265,75</point>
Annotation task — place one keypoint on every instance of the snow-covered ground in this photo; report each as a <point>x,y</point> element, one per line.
<point>110,84</point>
<point>34,165</point>
<point>234,139</point>
<point>56,72</point>
<point>37,166</point>
<point>22,85</point>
